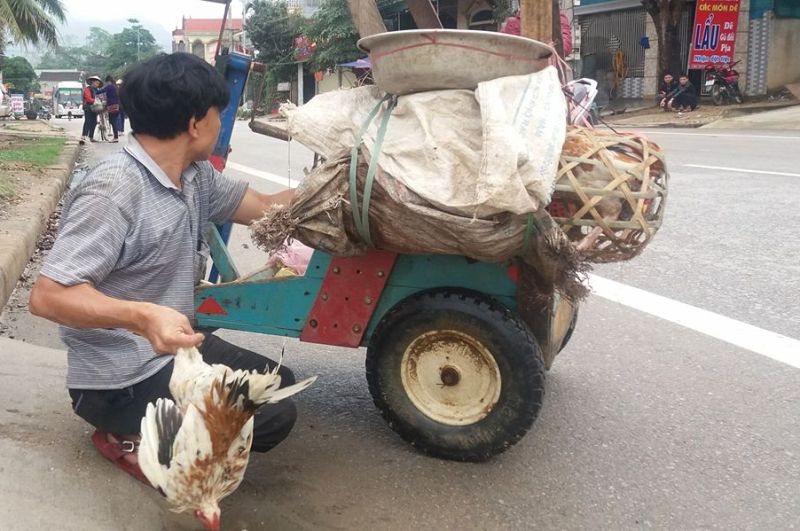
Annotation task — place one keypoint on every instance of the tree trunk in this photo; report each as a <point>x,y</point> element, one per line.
<point>666,15</point>
<point>424,14</point>
<point>366,17</point>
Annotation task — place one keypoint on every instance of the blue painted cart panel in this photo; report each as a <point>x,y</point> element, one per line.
<point>281,306</point>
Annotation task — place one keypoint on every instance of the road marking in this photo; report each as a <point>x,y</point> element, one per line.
<point>742,170</point>
<point>770,344</point>
<point>675,133</point>
<point>271,177</point>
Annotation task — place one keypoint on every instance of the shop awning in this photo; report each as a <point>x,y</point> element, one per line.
<point>358,63</point>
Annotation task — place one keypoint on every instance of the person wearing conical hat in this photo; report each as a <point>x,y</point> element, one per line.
<point>89,116</point>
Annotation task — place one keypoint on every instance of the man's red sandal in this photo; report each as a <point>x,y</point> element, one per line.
<point>116,452</point>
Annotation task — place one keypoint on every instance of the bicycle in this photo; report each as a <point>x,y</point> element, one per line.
<point>103,125</point>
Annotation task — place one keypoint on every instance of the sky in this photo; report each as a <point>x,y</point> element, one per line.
<point>158,16</point>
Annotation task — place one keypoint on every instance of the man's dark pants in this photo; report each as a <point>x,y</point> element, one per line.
<point>89,121</point>
<point>685,99</point>
<point>120,411</point>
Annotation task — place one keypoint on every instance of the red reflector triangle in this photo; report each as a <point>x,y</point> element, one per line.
<point>513,272</point>
<point>211,307</point>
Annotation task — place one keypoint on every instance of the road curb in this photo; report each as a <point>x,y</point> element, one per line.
<point>730,112</point>
<point>20,233</point>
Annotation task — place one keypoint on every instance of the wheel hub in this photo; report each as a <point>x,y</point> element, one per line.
<point>451,377</point>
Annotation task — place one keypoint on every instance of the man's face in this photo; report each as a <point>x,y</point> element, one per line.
<point>207,131</point>
<point>668,79</point>
<point>683,80</point>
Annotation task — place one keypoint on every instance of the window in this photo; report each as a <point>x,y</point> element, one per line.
<point>483,20</point>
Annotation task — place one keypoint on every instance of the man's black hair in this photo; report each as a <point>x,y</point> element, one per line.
<point>162,94</point>
<point>110,78</point>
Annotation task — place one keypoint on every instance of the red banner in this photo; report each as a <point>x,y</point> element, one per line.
<point>714,33</point>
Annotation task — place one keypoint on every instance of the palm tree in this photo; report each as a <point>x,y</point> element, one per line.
<point>29,21</point>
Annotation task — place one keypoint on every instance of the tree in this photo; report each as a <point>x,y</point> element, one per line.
<point>98,39</point>
<point>335,36</point>
<point>271,29</point>
<point>29,22</point>
<point>128,47</point>
<point>104,53</point>
<point>58,59</point>
<point>19,73</point>
<point>666,15</point>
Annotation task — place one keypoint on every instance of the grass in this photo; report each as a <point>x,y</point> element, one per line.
<point>34,151</point>
<point>25,154</point>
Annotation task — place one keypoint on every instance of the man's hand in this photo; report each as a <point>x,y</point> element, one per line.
<point>168,330</point>
<point>82,306</point>
<point>255,204</point>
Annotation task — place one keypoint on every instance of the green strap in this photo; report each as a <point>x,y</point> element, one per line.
<point>531,228</point>
<point>373,167</point>
<point>361,213</point>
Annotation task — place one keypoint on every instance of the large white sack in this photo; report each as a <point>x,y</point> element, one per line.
<point>469,153</point>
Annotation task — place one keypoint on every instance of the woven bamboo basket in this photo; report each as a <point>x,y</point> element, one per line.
<point>610,193</point>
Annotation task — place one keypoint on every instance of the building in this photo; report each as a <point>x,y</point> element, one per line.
<point>454,14</point>
<point>199,36</point>
<point>766,39</point>
<point>48,79</point>
<point>306,8</point>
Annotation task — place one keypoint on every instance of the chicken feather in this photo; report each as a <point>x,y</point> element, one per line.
<point>195,450</point>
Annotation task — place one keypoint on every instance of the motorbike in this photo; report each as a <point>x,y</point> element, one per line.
<point>44,113</point>
<point>722,80</point>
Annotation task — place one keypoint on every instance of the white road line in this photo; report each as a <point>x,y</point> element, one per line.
<point>741,170</point>
<point>770,344</point>
<point>723,135</point>
<point>271,177</point>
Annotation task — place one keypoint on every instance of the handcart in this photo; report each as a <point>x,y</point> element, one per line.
<point>451,364</point>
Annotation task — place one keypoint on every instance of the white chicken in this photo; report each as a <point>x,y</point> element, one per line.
<point>195,450</point>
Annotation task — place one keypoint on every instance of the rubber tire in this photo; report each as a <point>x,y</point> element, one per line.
<point>716,95</point>
<point>500,330</point>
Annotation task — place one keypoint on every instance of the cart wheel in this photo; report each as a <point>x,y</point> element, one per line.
<point>456,374</point>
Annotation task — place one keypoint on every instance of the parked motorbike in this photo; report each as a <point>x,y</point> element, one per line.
<point>44,113</point>
<point>723,83</point>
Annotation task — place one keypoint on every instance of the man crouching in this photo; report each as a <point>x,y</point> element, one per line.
<point>130,249</point>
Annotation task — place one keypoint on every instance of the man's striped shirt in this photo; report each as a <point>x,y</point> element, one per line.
<point>130,232</point>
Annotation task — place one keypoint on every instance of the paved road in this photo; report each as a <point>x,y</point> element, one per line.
<point>646,423</point>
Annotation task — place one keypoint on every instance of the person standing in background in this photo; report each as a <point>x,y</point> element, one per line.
<point>121,126</point>
<point>89,116</point>
<point>112,104</point>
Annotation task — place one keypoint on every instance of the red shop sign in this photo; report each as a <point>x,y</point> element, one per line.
<point>714,32</point>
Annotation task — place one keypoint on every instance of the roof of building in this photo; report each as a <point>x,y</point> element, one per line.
<point>60,75</point>
<point>209,25</point>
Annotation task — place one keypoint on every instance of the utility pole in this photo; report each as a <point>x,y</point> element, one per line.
<point>300,88</point>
